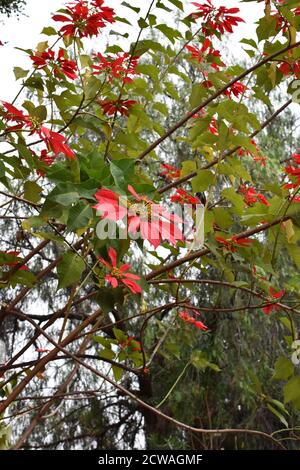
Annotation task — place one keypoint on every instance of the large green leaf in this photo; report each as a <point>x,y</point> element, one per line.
<point>69,270</point>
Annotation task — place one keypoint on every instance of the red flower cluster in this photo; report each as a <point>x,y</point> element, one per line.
<point>236,89</point>
<point>216,19</point>
<point>251,196</point>
<point>53,140</point>
<point>122,66</point>
<point>83,20</point>
<point>257,156</point>
<point>293,172</point>
<point>47,159</point>
<point>282,24</point>
<point>183,197</point>
<point>230,244</point>
<point>169,172</point>
<point>152,220</point>
<point>206,54</point>
<point>61,65</point>
<point>185,316</point>
<point>274,306</point>
<point>290,67</point>
<point>119,274</point>
<point>212,128</point>
<point>111,107</point>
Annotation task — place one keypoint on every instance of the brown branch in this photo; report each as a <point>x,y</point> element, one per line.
<point>227,284</point>
<point>206,251</point>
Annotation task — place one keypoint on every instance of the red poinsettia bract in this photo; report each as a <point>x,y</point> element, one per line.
<point>182,197</point>
<point>236,89</point>
<point>256,155</point>
<point>119,274</point>
<point>61,65</point>
<point>293,172</point>
<point>122,66</point>
<point>46,159</point>
<point>54,140</point>
<point>251,196</point>
<point>111,107</point>
<point>215,19</point>
<point>232,243</point>
<point>274,306</point>
<point>213,125</point>
<point>287,68</point>
<point>83,20</point>
<point>169,172</point>
<point>206,54</point>
<point>186,317</point>
<point>152,220</point>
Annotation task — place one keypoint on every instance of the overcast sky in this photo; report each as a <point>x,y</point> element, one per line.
<point>25,33</point>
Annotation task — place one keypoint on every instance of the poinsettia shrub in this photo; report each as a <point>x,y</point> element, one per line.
<point>127,115</point>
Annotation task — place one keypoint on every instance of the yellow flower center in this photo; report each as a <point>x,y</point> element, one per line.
<point>115,272</point>
<point>142,209</point>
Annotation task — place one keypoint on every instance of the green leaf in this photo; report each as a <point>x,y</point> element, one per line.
<point>118,373</point>
<point>64,194</point>
<point>35,221</point>
<point>231,195</point>
<point>199,361</point>
<point>197,95</point>
<point>119,335</point>
<point>292,392</point>
<point>266,27</point>
<point>106,299</point>
<point>278,414</point>
<point>148,69</point>
<point>39,112</point>
<point>294,252</point>
<point>128,5</point>
<point>49,31</point>
<point>79,216</point>
<point>20,73</point>
<point>170,33</point>
<point>105,342</point>
<point>32,191</point>
<point>202,181</point>
<point>142,23</point>
<point>283,369</point>
<point>223,217</point>
<point>188,167</point>
<point>107,354</point>
<point>49,236</point>
<point>25,278</point>
<point>7,258</point>
<point>69,270</point>
<point>177,4</point>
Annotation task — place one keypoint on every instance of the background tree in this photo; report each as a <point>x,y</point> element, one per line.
<point>11,7</point>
